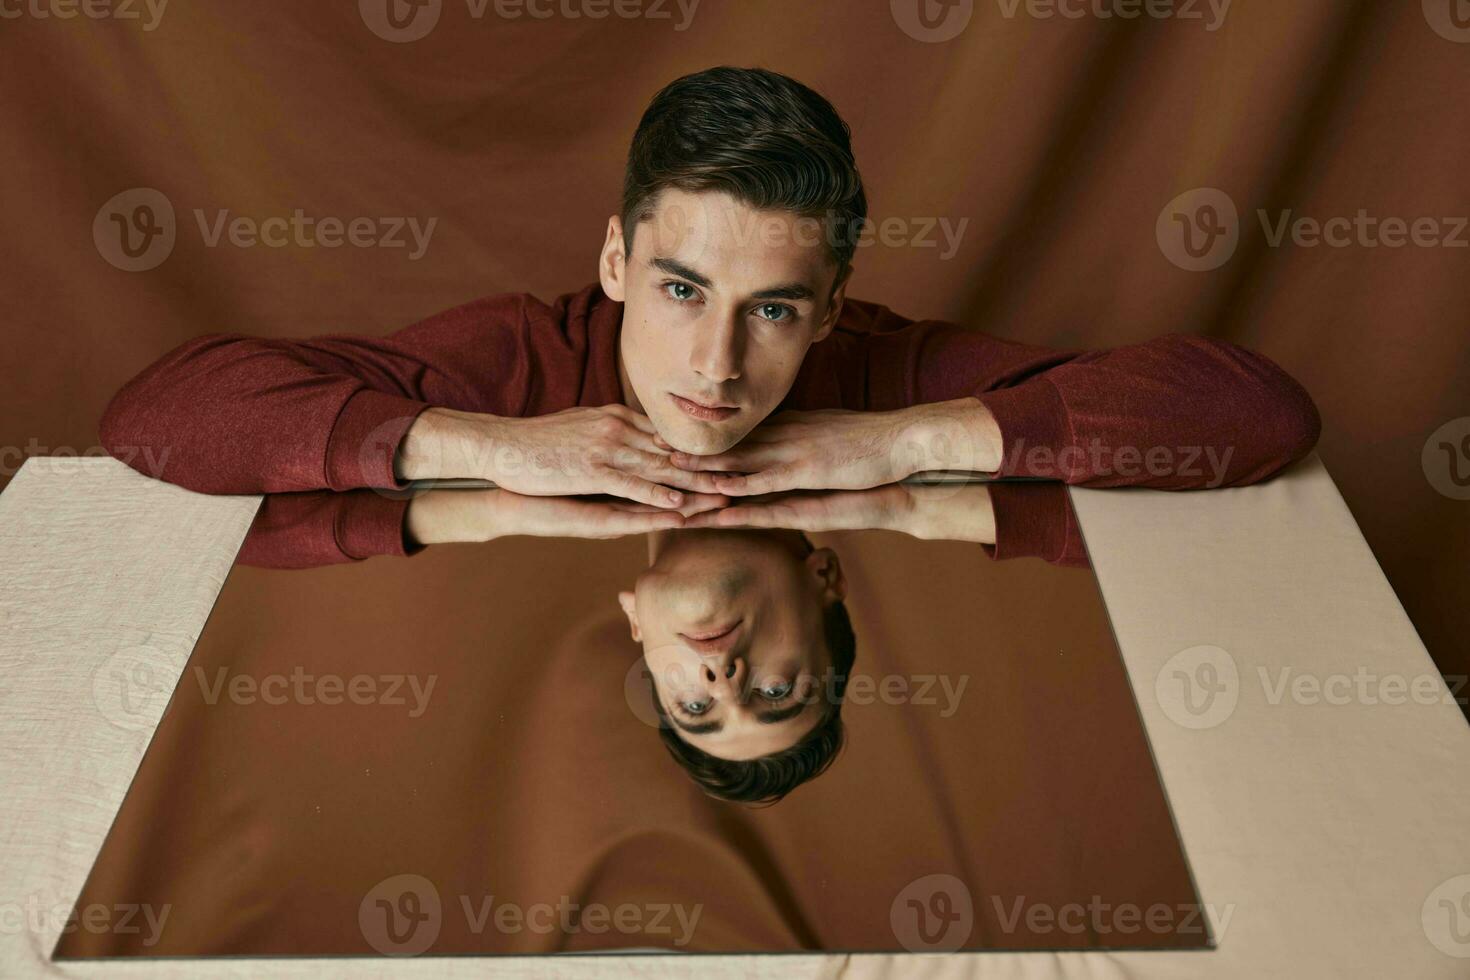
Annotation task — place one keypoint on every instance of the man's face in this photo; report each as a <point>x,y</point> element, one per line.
<point>721,302</point>
<point>731,628</point>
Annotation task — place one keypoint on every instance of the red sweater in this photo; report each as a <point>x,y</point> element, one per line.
<point>227,413</point>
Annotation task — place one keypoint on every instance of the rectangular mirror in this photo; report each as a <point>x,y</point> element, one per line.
<point>460,752</point>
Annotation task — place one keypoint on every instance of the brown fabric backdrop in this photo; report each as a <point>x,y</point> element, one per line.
<point>1059,140</point>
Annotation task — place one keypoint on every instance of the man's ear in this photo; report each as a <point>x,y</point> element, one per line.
<point>834,305</point>
<point>612,264</point>
<point>823,563</point>
<point>630,609</point>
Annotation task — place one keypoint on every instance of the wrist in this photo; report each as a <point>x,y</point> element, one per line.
<point>946,512</point>
<point>960,435</point>
<point>445,444</point>
<point>451,516</point>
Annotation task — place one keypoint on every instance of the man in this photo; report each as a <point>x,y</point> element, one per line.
<point>718,357</point>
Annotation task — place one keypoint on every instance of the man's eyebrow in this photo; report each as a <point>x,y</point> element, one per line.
<point>701,728</point>
<point>778,715</point>
<point>789,290</point>
<point>681,270</point>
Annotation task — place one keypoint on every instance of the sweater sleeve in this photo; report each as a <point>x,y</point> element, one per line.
<point>308,530</point>
<point>228,413</point>
<point>1036,520</point>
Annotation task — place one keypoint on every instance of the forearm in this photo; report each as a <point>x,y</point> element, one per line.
<point>959,435</point>
<point>949,512</point>
<point>445,444</point>
<point>449,516</point>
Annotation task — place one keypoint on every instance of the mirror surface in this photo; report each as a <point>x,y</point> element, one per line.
<point>460,752</point>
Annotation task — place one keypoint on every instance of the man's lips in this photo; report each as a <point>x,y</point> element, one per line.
<point>699,410</point>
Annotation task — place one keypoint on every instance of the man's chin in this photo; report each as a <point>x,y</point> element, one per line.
<point>699,440</point>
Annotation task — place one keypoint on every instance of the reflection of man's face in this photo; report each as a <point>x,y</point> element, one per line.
<point>720,303</point>
<point>731,624</point>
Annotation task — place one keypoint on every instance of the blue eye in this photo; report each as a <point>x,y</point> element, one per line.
<point>775,312</point>
<point>673,289</point>
<point>695,707</point>
<point>775,692</point>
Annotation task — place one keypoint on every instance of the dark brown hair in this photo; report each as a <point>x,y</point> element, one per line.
<point>765,139</point>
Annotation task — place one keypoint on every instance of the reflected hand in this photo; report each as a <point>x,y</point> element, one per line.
<point>887,507</point>
<point>572,517</point>
<point>445,516</point>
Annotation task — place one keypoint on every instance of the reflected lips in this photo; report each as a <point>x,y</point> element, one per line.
<point>707,413</point>
<point>714,640</point>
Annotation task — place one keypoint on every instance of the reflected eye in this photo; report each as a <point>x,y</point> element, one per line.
<point>680,292</point>
<point>775,312</point>
<point>695,707</point>
<point>775,691</point>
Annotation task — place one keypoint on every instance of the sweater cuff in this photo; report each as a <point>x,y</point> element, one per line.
<point>1035,520</point>
<point>1034,429</point>
<point>370,524</point>
<point>365,438</point>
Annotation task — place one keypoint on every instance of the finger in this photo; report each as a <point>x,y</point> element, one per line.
<point>652,465</point>
<point>773,480</point>
<point>763,515</point>
<point>658,441</point>
<point>623,484</point>
<point>694,503</point>
<point>701,503</point>
<point>655,467</point>
<point>620,524</point>
<point>742,459</point>
<point>642,422</point>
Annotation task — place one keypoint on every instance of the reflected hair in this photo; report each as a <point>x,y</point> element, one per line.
<point>769,778</point>
<point>763,138</point>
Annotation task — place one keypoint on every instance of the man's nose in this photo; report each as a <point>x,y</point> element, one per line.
<point>723,671</point>
<point>716,355</point>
